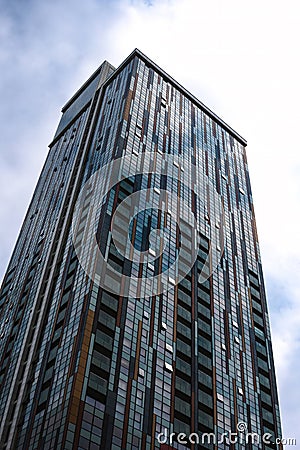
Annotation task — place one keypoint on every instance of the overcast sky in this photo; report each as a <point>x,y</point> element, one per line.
<point>239,58</point>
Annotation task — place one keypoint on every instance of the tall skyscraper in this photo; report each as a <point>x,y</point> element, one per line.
<point>133,310</point>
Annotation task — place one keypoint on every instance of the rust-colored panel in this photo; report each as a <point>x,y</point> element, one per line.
<point>168,93</point>
<point>206,163</point>
<point>79,376</point>
<point>81,370</point>
<point>85,345</point>
<point>144,440</point>
<point>126,414</point>
<point>135,84</point>
<point>72,418</point>
<point>127,105</point>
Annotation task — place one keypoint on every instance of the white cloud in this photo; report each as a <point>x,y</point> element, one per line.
<point>241,59</point>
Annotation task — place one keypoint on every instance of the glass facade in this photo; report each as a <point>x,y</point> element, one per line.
<point>96,362</point>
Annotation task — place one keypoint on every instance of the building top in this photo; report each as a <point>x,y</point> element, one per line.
<point>106,73</point>
<point>179,87</point>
